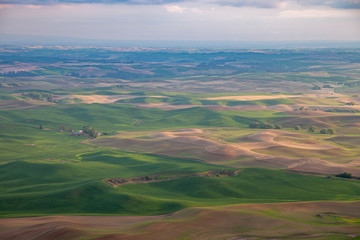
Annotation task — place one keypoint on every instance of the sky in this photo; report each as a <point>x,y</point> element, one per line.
<point>170,20</point>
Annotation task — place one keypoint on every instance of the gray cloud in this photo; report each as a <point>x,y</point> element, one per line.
<point>346,4</point>
<point>349,4</point>
<point>249,3</point>
<point>50,2</point>
<point>331,3</point>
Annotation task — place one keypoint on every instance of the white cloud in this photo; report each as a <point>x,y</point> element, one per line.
<point>33,6</point>
<point>3,6</point>
<point>314,13</point>
<point>175,9</point>
<point>196,10</point>
<point>185,21</point>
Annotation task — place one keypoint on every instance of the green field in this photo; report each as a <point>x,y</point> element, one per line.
<point>50,172</point>
<point>186,114</point>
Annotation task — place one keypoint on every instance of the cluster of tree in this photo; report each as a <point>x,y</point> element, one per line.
<point>316,87</point>
<point>301,109</point>
<point>264,125</point>
<point>221,173</point>
<point>344,175</point>
<point>17,74</point>
<point>350,104</point>
<point>343,110</point>
<point>90,131</point>
<point>116,181</point>
<point>305,109</point>
<point>327,86</point>
<point>327,131</point>
<point>42,96</point>
<point>313,129</point>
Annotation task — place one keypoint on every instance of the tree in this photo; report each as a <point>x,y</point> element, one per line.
<point>327,131</point>
<point>350,104</point>
<point>90,131</point>
<point>264,125</point>
<point>298,127</point>
<point>323,131</point>
<point>278,126</point>
<point>41,126</point>
<point>267,125</point>
<point>312,129</point>
<point>344,175</point>
<point>254,125</point>
<point>331,131</point>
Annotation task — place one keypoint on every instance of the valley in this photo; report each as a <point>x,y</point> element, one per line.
<point>191,144</point>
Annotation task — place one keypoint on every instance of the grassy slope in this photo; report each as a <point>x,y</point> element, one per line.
<point>32,188</point>
<point>48,172</point>
<point>115,117</point>
<point>196,100</point>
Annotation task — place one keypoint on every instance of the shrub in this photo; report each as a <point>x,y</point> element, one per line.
<point>327,131</point>
<point>323,131</point>
<point>331,131</point>
<point>254,125</point>
<point>312,129</point>
<point>264,125</point>
<point>344,175</point>
<point>350,104</point>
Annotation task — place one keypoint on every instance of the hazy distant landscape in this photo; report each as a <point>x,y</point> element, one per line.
<point>179,143</point>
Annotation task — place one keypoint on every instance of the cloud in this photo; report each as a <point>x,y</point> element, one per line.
<point>198,21</point>
<point>354,4</point>
<point>52,2</point>
<point>250,3</point>
<point>331,3</point>
<point>312,13</point>
<point>174,9</point>
<point>3,6</point>
<point>345,4</point>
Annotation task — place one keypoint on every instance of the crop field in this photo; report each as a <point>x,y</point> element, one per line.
<point>166,144</point>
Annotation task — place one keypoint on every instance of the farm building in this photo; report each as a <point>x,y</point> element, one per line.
<point>78,133</point>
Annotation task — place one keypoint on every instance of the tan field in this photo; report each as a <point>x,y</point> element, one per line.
<point>272,148</point>
<point>247,221</point>
<point>99,98</point>
<point>252,97</point>
<point>94,98</point>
